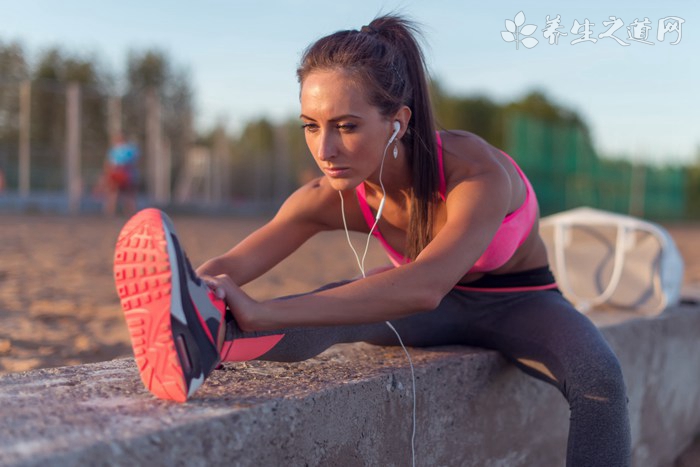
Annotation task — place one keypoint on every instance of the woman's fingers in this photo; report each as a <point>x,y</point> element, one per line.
<point>219,292</point>
<point>215,285</point>
<point>238,301</point>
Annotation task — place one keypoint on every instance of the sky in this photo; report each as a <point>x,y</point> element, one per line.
<point>641,101</point>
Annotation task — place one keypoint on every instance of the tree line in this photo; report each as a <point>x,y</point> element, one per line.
<point>48,77</point>
<point>260,146</point>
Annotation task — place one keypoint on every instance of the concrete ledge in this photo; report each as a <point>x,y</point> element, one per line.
<point>352,406</point>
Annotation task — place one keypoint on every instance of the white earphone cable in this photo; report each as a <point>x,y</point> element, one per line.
<point>361,264</point>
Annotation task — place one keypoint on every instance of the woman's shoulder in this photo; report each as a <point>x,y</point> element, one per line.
<point>312,202</point>
<point>468,154</point>
<point>315,193</point>
<point>468,157</point>
<point>465,145</point>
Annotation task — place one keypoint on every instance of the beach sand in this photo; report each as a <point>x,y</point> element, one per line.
<point>58,304</point>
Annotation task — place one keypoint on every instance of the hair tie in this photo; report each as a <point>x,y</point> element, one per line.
<point>369,29</point>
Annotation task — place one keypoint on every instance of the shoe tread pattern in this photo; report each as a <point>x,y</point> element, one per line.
<point>143,279</point>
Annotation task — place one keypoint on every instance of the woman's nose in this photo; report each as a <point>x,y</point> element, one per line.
<point>327,148</point>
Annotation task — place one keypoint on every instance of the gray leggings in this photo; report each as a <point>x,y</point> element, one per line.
<point>539,326</point>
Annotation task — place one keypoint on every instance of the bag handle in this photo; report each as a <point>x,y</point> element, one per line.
<point>584,305</point>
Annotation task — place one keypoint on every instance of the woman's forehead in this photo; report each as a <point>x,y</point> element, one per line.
<point>332,92</point>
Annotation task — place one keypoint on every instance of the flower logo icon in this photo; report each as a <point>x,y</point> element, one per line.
<point>515,30</point>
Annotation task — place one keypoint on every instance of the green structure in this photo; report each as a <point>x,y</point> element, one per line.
<point>566,172</point>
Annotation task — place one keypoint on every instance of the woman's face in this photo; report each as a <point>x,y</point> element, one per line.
<point>345,134</point>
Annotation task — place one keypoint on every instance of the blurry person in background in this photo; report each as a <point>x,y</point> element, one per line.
<point>120,176</point>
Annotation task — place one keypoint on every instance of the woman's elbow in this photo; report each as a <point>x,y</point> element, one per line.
<point>429,299</point>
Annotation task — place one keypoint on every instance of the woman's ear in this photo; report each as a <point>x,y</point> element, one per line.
<point>403,116</point>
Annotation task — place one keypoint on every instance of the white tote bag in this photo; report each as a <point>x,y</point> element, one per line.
<point>606,260</point>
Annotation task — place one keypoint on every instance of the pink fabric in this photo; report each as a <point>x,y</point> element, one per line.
<point>528,288</point>
<point>248,348</point>
<point>513,231</point>
<point>397,258</point>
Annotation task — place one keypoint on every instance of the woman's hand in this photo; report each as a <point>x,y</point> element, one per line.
<point>243,307</point>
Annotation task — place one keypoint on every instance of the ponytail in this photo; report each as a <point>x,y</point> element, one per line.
<point>386,59</point>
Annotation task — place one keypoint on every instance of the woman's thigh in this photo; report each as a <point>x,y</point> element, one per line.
<point>548,338</point>
<point>539,331</point>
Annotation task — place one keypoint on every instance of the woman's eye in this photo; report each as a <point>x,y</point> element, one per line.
<point>343,127</point>
<point>346,127</point>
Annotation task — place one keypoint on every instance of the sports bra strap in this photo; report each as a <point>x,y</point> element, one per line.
<point>442,187</point>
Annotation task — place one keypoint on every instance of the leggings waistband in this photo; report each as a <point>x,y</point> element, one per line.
<point>533,279</point>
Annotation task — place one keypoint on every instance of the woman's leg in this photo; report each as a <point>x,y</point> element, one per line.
<point>546,337</point>
<point>541,332</point>
<point>444,326</point>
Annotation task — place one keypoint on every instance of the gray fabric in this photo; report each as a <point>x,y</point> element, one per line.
<point>540,326</point>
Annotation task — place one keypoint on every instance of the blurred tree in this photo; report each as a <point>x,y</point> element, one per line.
<point>537,105</point>
<point>692,194</point>
<point>253,162</point>
<point>302,162</point>
<point>153,69</point>
<point>95,90</point>
<point>13,70</point>
<point>267,160</point>
<point>477,114</point>
<point>148,69</point>
<point>486,118</point>
<point>54,70</point>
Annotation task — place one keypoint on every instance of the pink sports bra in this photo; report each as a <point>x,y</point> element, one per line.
<point>513,231</point>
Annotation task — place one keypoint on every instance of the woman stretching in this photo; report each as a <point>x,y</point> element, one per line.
<point>457,217</point>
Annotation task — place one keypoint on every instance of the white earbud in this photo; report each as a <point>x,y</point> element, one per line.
<point>397,128</point>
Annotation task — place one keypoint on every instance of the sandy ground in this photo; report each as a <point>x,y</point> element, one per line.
<point>58,305</point>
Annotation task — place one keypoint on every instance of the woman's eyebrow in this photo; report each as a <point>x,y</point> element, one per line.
<point>334,119</point>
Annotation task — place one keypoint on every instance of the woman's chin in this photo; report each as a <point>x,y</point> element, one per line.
<point>342,184</point>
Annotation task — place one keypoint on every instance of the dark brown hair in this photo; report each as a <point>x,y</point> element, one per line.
<point>385,58</point>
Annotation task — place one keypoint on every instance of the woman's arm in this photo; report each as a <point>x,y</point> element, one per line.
<point>303,214</point>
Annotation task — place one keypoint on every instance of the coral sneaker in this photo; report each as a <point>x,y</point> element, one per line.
<point>173,318</point>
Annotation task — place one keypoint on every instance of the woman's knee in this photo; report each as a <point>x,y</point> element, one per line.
<point>598,379</point>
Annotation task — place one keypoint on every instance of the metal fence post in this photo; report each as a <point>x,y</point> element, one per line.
<point>114,117</point>
<point>158,161</point>
<point>221,176</point>
<point>73,172</point>
<point>25,105</point>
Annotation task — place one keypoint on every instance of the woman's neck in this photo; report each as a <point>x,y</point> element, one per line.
<point>395,176</point>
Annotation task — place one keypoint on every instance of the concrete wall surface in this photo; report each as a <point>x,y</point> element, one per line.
<point>351,406</point>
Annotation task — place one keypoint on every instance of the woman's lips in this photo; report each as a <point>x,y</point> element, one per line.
<point>336,172</point>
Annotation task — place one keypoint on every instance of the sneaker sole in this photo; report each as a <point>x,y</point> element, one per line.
<point>145,283</point>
